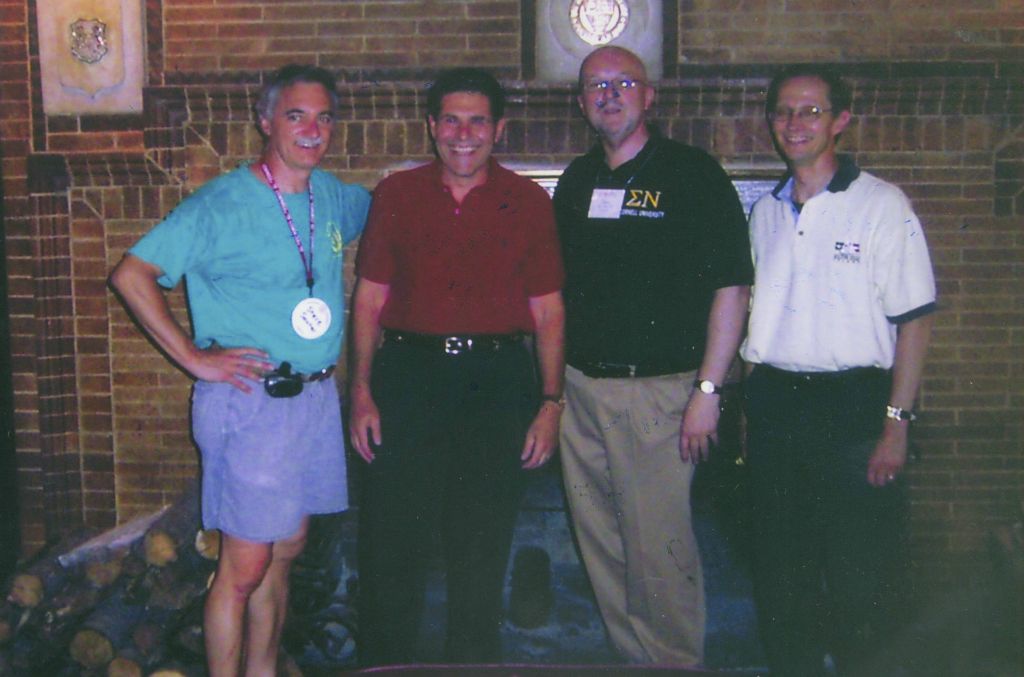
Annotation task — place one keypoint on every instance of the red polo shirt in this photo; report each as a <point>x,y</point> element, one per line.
<point>460,269</point>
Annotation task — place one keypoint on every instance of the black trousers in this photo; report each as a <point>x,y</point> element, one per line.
<point>829,548</point>
<point>453,428</point>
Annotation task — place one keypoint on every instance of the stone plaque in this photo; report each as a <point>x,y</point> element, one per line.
<point>90,56</point>
<point>568,30</point>
<point>598,22</point>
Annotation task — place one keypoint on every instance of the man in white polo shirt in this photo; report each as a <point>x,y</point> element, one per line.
<point>841,314</point>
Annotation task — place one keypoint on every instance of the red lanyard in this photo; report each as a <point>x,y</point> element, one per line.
<point>306,265</point>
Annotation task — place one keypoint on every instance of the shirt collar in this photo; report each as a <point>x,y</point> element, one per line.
<point>845,175</point>
<point>493,170</point>
<point>627,168</point>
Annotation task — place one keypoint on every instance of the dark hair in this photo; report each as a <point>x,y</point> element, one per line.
<point>289,75</point>
<point>473,80</point>
<point>839,97</point>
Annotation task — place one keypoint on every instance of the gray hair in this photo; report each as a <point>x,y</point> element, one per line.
<point>287,76</point>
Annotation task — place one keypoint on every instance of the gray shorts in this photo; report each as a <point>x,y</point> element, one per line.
<point>268,462</point>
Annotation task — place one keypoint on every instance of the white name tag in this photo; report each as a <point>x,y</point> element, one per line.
<point>606,203</point>
<point>311,318</point>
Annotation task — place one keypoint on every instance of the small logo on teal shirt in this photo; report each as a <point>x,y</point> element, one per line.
<point>337,241</point>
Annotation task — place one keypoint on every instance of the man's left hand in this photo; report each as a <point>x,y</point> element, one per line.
<point>542,437</point>
<point>890,454</point>
<point>700,427</point>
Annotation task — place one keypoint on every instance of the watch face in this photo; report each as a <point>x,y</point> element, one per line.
<point>707,387</point>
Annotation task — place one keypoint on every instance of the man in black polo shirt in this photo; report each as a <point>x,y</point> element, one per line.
<point>658,265</point>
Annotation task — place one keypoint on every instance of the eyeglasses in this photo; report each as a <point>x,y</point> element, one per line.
<point>803,114</point>
<point>595,86</point>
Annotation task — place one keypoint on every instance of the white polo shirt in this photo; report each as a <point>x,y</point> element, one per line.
<point>833,281</point>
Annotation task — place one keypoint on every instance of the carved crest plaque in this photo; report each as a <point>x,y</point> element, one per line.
<point>598,22</point>
<point>568,30</point>
<point>90,56</point>
<point>88,40</point>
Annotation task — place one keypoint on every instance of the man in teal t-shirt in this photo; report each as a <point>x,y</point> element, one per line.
<point>261,248</point>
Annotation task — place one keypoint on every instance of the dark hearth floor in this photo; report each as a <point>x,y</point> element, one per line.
<point>573,633</point>
<point>972,629</point>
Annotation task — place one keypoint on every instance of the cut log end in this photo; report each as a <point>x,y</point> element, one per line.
<point>91,649</point>
<point>26,591</point>
<point>160,548</point>
<point>123,667</point>
<point>208,543</point>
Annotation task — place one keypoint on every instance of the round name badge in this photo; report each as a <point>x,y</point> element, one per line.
<point>311,318</point>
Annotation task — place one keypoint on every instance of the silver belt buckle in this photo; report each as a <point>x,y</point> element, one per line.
<point>453,345</point>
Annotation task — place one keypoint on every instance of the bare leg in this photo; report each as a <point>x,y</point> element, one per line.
<point>240,570</point>
<point>268,605</point>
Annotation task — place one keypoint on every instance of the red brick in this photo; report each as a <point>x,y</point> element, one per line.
<point>938,137</point>
<point>82,143</point>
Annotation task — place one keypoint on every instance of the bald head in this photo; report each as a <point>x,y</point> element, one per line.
<point>612,55</point>
<point>614,96</point>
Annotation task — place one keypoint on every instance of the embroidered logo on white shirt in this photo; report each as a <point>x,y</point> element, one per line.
<point>847,252</point>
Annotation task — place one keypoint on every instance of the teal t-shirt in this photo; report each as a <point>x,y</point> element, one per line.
<point>243,271</point>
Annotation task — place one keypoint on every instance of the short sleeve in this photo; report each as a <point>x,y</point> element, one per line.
<point>727,258</point>
<point>544,271</point>
<point>356,207</point>
<point>175,244</point>
<point>375,260</point>
<point>903,271</point>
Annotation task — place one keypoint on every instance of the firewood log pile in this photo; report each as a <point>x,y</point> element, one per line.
<point>126,595</point>
<point>129,602</point>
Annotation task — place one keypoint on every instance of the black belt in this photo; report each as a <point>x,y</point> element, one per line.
<point>317,375</point>
<point>819,377</point>
<point>283,382</point>
<point>618,370</point>
<point>453,345</point>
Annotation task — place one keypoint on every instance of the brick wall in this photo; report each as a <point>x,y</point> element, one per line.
<point>946,33</point>
<point>358,37</point>
<point>102,418</point>
<point>15,146</point>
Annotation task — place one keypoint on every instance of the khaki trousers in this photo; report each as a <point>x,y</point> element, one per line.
<point>629,493</point>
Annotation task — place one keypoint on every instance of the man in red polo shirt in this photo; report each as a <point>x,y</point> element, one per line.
<point>459,265</point>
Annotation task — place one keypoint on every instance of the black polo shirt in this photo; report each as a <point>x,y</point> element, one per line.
<point>639,287</point>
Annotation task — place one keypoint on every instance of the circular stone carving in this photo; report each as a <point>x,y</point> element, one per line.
<point>598,22</point>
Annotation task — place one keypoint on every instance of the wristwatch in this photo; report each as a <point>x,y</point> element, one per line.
<point>707,387</point>
<point>557,400</point>
<point>899,414</point>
